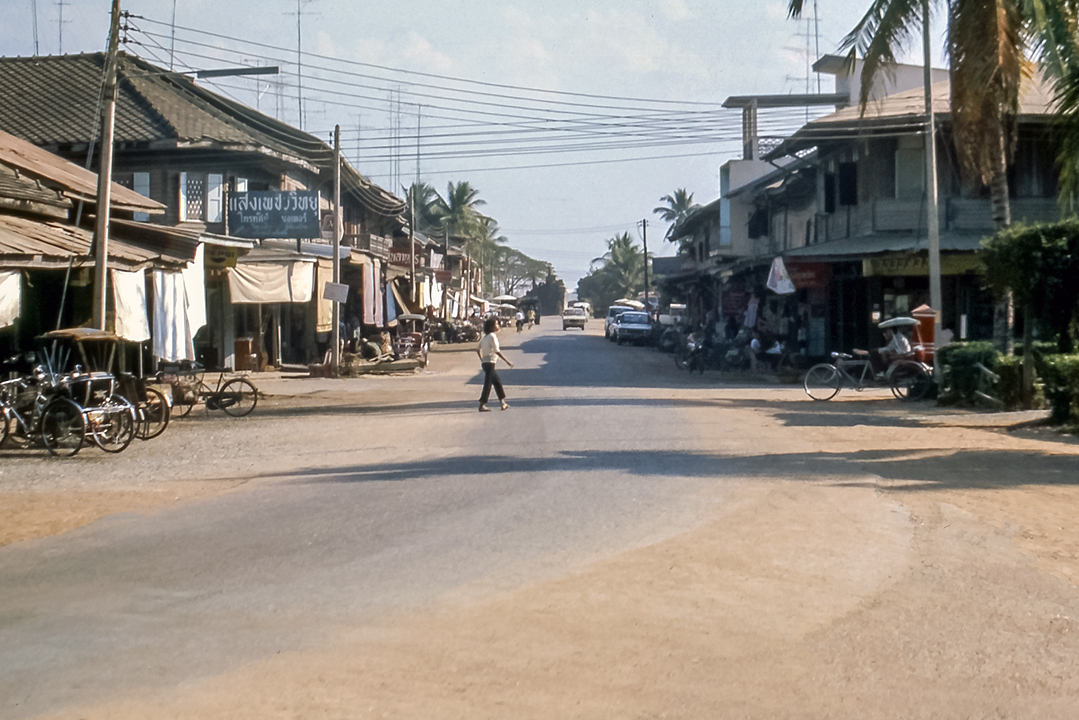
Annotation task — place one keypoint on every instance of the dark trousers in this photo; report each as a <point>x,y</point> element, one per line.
<point>490,377</point>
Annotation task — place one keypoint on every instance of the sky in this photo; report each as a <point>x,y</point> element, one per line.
<point>572,118</point>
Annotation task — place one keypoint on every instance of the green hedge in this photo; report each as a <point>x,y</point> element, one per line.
<point>959,361</point>
<point>1061,376</point>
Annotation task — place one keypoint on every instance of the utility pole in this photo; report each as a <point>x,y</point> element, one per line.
<point>62,4</point>
<point>104,172</point>
<point>412,242</point>
<point>335,334</point>
<point>172,43</point>
<point>935,299</point>
<point>644,238</point>
<point>419,120</point>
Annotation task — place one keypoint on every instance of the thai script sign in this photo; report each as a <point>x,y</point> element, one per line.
<point>270,214</point>
<point>900,265</point>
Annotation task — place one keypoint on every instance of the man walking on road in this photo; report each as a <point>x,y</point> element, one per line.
<point>489,352</point>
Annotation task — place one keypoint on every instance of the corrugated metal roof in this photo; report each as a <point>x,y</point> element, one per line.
<point>64,175</point>
<point>26,242</point>
<point>854,248</point>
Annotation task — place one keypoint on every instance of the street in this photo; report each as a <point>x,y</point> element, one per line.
<point>627,540</point>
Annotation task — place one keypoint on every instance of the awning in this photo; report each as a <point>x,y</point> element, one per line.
<point>272,282</point>
<point>856,248</point>
<point>405,307</point>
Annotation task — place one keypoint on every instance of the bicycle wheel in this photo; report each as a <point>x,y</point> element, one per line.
<point>113,424</point>
<point>910,381</point>
<point>238,397</point>
<point>185,400</point>
<point>822,382</point>
<point>154,415</point>
<point>63,427</point>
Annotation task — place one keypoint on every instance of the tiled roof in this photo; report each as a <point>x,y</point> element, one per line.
<point>53,100</point>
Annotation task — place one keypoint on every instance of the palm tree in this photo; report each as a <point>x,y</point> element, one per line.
<point>458,210</point>
<point>427,206</point>
<point>677,209</point>
<point>621,268</point>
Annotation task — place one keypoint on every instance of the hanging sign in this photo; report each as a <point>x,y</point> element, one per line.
<point>335,292</point>
<point>270,214</point>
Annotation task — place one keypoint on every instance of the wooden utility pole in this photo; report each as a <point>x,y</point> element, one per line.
<point>412,243</point>
<point>935,296</point>
<point>644,237</point>
<point>335,333</point>
<point>104,172</point>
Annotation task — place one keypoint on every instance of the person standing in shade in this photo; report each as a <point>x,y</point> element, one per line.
<point>489,352</point>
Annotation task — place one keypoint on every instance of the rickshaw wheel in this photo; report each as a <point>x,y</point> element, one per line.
<point>63,427</point>
<point>910,381</point>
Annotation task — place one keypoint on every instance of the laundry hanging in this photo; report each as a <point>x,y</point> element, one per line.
<point>173,337</point>
<point>129,305</point>
<point>10,293</point>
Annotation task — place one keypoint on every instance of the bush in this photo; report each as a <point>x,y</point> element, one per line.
<point>959,360</point>
<point>1061,376</point>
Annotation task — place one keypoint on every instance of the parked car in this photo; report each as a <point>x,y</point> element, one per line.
<point>632,326</point>
<point>574,317</point>
<point>612,313</point>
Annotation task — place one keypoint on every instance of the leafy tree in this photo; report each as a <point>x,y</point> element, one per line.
<point>1039,264</point>
<point>428,207</point>
<point>619,273</point>
<point>677,209</point>
<point>458,211</point>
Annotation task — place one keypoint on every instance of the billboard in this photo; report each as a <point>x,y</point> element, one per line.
<point>274,214</point>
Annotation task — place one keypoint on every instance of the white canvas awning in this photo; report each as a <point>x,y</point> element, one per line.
<point>291,281</point>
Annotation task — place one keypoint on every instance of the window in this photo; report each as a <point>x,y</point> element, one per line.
<point>910,169</point>
<point>140,183</point>
<point>201,197</point>
<point>848,183</point>
<point>829,192</point>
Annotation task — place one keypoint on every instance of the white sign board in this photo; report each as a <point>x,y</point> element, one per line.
<point>335,292</point>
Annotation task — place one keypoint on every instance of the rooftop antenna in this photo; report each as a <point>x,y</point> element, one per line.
<point>33,10</point>
<point>299,59</point>
<point>172,45</point>
<point>61,4</point>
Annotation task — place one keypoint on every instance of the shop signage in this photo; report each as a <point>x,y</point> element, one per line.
<point>402,258</point>
<point>913,265</point>
<point>220,257</point>
<point>335,292</point>
<point>809,275</point>
<point>442,276</point>
<point>270,214</point>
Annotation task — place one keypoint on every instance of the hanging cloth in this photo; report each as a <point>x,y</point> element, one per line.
<point>172,334</point>
<point>779,281</point>
<point>376,273</point>
<point>391,309</point>
<point>369,294</point>
<point>10,293</point>
<point>195,289</point>
<point>129,305</point>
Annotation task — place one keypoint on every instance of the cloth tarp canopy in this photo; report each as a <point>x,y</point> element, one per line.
<point>324,319</point>
<point>401,303</point>
<point>391,309</point>
<point>10,292</point>
<point>129,305</point>
<point>272,282</point>
<point>179,309</point>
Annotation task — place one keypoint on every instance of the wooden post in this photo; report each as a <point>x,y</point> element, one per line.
<point>335,315</point>
<point>104,173</point>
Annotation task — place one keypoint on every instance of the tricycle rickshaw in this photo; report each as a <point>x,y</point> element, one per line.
<point>909,376</point>
<point>413,337</point>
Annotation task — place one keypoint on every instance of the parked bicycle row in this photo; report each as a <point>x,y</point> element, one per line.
<point>69,394</point>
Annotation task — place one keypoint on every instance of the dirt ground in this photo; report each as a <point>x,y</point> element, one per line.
<point>917,588</point>
<point>864,597</point>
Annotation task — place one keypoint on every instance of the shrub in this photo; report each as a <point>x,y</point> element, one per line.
<point>959,360</point>
<point>1061,376</point>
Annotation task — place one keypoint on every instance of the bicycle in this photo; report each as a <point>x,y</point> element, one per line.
<point>236,397</point>
<point>908,379</point>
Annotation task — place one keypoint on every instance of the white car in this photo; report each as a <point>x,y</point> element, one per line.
<point>631,326</point>
<point>574,317</point>
<point>612,314</point>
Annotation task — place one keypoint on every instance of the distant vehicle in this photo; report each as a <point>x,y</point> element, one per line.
<point>631,326</point>
<point>574,317</point>
<point>584,305</point>
<point>613,312</point>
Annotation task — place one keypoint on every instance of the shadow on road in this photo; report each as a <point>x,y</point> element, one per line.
<point>906,471</point>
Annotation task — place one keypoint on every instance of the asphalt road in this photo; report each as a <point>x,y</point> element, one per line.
<point>846,542</point>
<point>390,499</point>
